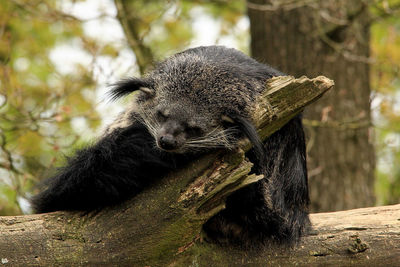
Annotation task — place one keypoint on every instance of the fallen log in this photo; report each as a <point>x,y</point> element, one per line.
<point>162,225</point>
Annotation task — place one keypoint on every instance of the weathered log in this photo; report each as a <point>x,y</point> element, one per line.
<point>162,225</point>
<point>360,237</point>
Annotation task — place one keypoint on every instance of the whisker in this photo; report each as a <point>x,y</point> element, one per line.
<point>214,139</point>
<point>217,138</point>
<point>148,119</point>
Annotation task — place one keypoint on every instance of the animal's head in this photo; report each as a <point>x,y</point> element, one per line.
<point>191,103</point>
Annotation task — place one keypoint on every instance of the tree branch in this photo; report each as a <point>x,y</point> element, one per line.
<point>144,56</point>
<point>162,225</point>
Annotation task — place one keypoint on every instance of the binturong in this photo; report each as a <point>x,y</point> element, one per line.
<point>193,103</point>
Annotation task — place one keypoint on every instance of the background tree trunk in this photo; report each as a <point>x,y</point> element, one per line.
<point>328,38</point>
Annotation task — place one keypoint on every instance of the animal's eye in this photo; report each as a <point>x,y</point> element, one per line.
<point>194,131</point>
<point>161,116</point>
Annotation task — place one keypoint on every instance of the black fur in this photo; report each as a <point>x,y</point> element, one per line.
<point>248,130</point>
<point>115,168</point>
<point>199,85</point>
<point>127,86</point>
<point>247,219</point>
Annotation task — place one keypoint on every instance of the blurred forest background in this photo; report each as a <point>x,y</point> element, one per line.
<point>58,57</point>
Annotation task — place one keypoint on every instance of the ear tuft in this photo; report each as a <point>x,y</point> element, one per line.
<point>127,86</point>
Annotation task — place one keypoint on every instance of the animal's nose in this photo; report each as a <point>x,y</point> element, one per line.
<point>168,142</point>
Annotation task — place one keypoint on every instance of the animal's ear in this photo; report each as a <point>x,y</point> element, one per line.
<point>127,86</point>
<point>227,119</point>
<point>247,128</point>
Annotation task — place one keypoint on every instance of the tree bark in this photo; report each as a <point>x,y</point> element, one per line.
<point>330,38</point>
<point>162,225</point>
<point>129,21</point>
<point>361,237</point>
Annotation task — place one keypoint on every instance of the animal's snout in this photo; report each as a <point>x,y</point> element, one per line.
<point>168,142</point>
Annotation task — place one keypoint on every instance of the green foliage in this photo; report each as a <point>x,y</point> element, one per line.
<point>8,205</point>
<point>37,102</point>
<point>166,27</point>
<point>385,73</point>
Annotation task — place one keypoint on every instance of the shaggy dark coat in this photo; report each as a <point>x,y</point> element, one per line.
<point>193,103</point>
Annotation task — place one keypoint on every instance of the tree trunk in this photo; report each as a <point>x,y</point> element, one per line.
<point>162,225</point>
<point>330,38</point>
